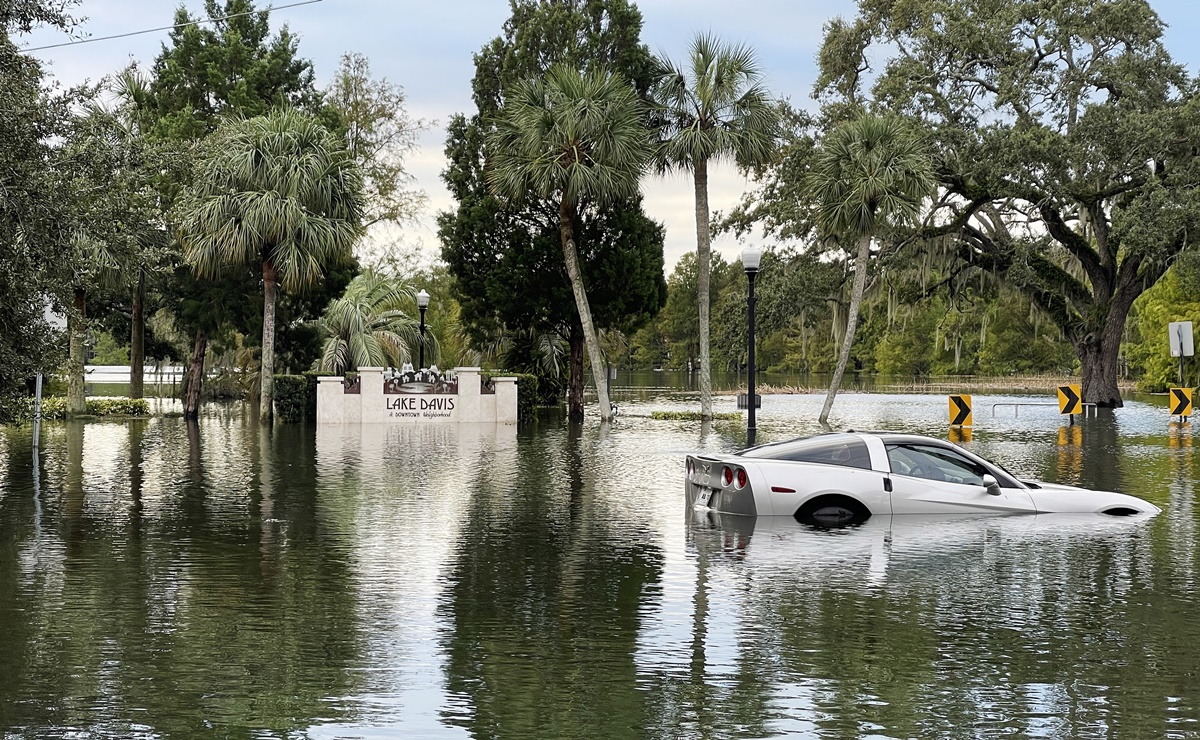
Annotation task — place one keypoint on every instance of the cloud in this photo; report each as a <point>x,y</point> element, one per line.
<point>428,49</point>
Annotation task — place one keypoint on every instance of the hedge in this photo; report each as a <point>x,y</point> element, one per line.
<point>55,407</point>
<point>527,392</point>
<point>296,397</point>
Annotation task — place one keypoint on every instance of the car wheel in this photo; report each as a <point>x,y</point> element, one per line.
<point>833,512</point>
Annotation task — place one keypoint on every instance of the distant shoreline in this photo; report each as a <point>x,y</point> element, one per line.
<point>965,384</point>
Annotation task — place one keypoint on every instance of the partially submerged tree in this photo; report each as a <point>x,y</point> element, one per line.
<point>506,256</point>
<point>869,176</point>
<point>1064,138</point>
<point>185,100</point>
<point>35,218</point>
<point>280,192</point>
<point>713,106</point>
<point>572,137</point>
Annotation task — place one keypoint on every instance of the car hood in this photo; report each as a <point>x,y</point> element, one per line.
<point>1059,498</point>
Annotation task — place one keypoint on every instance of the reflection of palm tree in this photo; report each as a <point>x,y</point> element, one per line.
<point>73,491</point>
<point>369,326</point>
<point>543,576</point>
<point>279,191</point>
<point>869,175</point>
<point>137,429</point>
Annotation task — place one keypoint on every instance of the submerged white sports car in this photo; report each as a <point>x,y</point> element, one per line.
<point>846,477</point>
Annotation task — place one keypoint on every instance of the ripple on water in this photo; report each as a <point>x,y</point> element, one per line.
<point>169,580</point>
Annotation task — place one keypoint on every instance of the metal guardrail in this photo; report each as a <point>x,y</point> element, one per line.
<point>1089,409</point>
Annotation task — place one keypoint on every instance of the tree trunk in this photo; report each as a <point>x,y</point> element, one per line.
<point>76,402</point>
<point>195,379</point>
<point>137,337</point>
<point>566,216</point>
<point>856,295</point>
<point>267,372</point>
<point>703,264</point>
<point>575,379</point>
<point>1099,349</point>
<point>1098,364</point>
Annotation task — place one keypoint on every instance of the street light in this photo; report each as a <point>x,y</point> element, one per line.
<point>422,304</point>
<point>750,259</point>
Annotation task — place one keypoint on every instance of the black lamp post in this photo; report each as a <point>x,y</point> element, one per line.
<point>422,304</point>
<point>750,259</point>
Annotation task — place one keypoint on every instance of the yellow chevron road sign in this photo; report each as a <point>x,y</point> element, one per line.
<point>1181,402</point>
<point>960,411</point>
<point>1070,399</point>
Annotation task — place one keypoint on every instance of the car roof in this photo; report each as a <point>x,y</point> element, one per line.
<point>886,437</point>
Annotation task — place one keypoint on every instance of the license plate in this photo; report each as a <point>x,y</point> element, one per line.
<point>704,497</point>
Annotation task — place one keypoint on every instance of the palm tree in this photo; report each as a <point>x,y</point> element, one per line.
<point>371,324</point>
<point>277,190</point>
<point>714,107</point>
<point>575,137</point>
<point>869,175</point>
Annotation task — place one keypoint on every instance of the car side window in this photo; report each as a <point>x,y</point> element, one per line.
<point>934,463</point>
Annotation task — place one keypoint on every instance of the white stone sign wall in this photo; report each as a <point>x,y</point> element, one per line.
<point>380,397</point>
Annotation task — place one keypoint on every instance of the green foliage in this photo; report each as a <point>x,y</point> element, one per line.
<point>296,397</point>
<point>506,258</point>
<point>570,136</point>
<point>692,416</point>
<point>184,102</point>
<point>371,325</point>
<point>55,407</point>
<point>379,135</point>
<point>1070,117</point>
<point>107,351</point>
<point>36,208</point>
<point>230,66</point>
<point>1174,298</point>
<point>713,107</point>
<point>280,191</point>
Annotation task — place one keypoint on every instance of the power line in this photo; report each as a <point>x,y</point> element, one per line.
<point>267,9</point>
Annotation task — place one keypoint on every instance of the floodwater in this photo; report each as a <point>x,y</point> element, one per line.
<point>165,580</point>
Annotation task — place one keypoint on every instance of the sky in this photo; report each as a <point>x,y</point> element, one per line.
<point>427,47</point>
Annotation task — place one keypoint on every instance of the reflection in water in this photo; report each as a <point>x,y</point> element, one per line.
<point>915,626</point>
<point>166,579</point>
<point>542,604</point>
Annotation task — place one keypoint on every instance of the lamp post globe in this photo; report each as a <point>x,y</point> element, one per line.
<point>751,257</point>
<point>422,304</point>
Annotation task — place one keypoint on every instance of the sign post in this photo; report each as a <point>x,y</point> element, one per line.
<point>1179,334</point>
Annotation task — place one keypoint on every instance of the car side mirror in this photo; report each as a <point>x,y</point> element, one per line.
<point>991,484</point>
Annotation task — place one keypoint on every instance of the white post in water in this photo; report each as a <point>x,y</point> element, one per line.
<point>37,410</point>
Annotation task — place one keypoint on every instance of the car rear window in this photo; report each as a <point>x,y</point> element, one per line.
<point>849,452</point>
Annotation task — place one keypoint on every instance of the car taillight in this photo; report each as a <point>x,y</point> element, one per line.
<point>689,467</point>
<point>742,479</point>
<point>728,476</point>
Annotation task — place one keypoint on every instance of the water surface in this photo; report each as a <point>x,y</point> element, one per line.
<point>165,580</point>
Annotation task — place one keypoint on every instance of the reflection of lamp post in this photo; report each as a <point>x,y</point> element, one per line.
<point>422,304</point>
<point>750,260</point>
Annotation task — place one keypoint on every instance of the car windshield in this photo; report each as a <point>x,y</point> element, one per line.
<point>841,449</point>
